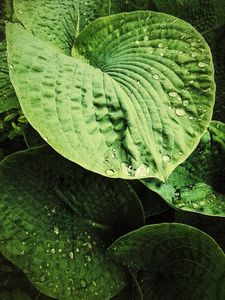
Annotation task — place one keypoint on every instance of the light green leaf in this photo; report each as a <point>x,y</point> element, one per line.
<point>198,184</point>
<point>8,99</point>
<point>59,22</point>
<point>56,220</point>
<point>173,261</point>
<point>204,15</point>
<point>136,93</point>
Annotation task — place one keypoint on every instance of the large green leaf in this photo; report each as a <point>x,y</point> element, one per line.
<point>56,220</point>
<point>173,261</point>
<point>138,93</point>
<point>198,184</point>
<point>8,97</point>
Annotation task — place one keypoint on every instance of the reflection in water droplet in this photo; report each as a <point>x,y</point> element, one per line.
<point>173,94</point>
<point>56,230</point>
<point>142,171</point>
<point>185,103</point>
<point>155,76</point>
<point>166,158</point>
<point>83,283</point>
<point>126,168</point>
<point>110,172</point>
<point>180,112</point>
<point>201,64</point>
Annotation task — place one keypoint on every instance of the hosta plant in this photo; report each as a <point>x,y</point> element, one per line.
<point>111,120</point>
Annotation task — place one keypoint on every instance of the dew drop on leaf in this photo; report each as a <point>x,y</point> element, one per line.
<point>155,76</point>
<point>180,112</point>
<point>201,64</point>
<point>166,158</point>
<point>110,172</point>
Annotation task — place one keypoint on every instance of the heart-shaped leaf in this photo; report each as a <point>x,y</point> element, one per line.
<point>173,261</point>
<point>56,220</point>
<point>198,184</point>
<point>138,93</point>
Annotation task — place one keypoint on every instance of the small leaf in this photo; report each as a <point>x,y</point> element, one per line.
<point>173,261</point>
<point>56,221</point>
<point>198,184</point>
<point>132,94</point>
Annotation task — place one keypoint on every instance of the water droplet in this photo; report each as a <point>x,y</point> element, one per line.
<point>56,230</point>
<point>71,255</point>
<point>106,161</point>
<point>142,171</point>
<point>201,64</point>
<point>110,172</point>
<point>94,283</point>
<point>53,251</point>
<point>146,38</point>
<point>173,94</point>
<point>194,54</point>
<point>180,112</point>
<point>155,76</point>
<point>11,66</point>
<point>83,283</point>
<point>177,194</point>
<point>191,118</point>
<point>126,168</point>
<point>185,103</point>
<point>193,44</point>
<point>166,158</point>
<point>87,258</point>
<point>77,250</point>
<point>137,42</point>
<point>160,45</point>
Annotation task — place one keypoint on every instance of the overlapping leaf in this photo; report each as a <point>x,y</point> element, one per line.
<point>138,93</point>
<point>56,220</point>
<point>198,184</point>
<point>173,261</point>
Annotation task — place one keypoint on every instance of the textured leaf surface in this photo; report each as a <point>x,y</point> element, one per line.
<point>56,220</point>
<point>135,93</point>
<point>215,226</point>
<point>14,284</point>
<point>198,184</point>
<point>8,97</point>
<point>173,261</point>
<point>59,22</point>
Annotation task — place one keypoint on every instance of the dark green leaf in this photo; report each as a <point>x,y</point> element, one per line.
<point>56,220</point>
<point>173,261</point>
<point>198,184</point>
